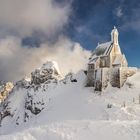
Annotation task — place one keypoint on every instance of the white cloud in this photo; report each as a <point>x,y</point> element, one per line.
<point>119,12</point>
<point>132,21</point>
<point>25,16</point>
<point>20,18</point>
<point>17,61</point>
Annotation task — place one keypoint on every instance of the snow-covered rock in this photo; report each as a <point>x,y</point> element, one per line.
<point>28,96</point>
<point>49,70</point>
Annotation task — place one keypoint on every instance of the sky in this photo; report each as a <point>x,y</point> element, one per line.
<point>67,31</point>
<point>93,21</point>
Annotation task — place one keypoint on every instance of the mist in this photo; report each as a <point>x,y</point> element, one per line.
<point>20,19</point>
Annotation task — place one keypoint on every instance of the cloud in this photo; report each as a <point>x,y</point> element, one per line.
<point>119,12</point>
<point>130,17</point>
<point>132,21</point>
<point>17,61</point>
<point>23,17</point>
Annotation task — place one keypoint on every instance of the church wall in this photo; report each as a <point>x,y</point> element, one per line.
<point>101,78</point>
<point>90,75</point>
<point>123,75</point>
<point>97,63</point>
<point>98,79</point>
<point>112,54</point>
<point>90,79</point>
<point>115,77</point>
<point>105,77</point>
<point>104,62</point>
<point>124,62</point>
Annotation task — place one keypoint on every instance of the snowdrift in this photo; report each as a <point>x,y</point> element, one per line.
<point>64,109</point>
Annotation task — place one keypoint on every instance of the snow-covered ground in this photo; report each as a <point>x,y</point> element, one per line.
<point>76,112</point>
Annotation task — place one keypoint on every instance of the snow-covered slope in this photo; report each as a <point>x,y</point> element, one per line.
<point>64,109</point>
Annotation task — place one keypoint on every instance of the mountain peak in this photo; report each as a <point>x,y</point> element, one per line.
<point>49,70</point>
<point>51,65</point>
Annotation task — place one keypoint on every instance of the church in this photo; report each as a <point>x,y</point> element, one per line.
<point>108,65</point>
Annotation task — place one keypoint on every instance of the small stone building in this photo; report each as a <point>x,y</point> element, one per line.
<point>108,64</point>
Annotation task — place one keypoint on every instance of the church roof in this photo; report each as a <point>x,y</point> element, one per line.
<point>92,61</point>
<point>101,50</point>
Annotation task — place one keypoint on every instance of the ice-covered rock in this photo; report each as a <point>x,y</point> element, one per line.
<point>49,70</point>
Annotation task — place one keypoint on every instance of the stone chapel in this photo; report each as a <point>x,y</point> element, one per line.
<point>108,64</point>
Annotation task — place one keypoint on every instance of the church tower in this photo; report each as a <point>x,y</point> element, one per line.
<point>114,36</point>
<point>115,41</point>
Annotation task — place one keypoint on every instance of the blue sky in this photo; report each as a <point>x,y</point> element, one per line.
<point>34,31</point>
<point>92,21</point>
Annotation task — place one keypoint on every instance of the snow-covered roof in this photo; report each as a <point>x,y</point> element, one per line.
<point>93,60</point>
<point>101,50</point>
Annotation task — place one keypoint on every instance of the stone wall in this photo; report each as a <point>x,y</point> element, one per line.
<point>99,78</point>
<point>90,76</point>
<point>115,77</point>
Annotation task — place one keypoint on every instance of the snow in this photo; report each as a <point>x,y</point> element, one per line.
<point>103,48</point>
<point>93,59</point>
<point>80,130</point>
<point>100,51</point>
<point>76,112</point>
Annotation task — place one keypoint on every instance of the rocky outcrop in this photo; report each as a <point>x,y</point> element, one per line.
<point>28,96</point>
<point>32,95</point>
<point>5,89</point>
<point>49,70</point>
<point>24,83</point>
